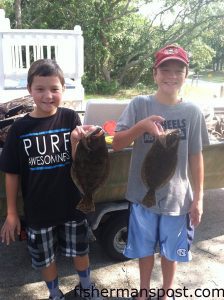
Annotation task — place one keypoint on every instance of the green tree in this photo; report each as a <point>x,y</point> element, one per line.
<point>215,39</point>
<point>202,55</point>
<point>120,42</point>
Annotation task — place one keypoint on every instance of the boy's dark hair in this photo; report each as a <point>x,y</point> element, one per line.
<point>45,67</point>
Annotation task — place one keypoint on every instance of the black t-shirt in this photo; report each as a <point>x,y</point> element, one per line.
<point>39,150</point>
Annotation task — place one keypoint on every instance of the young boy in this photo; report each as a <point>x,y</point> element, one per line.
<point>38,153</point>
<point>177,211</point>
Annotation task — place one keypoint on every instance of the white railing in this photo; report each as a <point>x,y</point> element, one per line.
<point>20,47</point>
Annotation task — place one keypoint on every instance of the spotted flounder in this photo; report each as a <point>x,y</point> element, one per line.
<point>90,167</point>
<point>160,163</point>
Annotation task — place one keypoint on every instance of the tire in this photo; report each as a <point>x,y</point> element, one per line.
<point>114,236</point>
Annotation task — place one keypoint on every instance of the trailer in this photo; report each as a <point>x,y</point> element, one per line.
<point>109,222</point>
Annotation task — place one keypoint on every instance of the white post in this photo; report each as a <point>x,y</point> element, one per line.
<point>5,22</point>
<point>1,64</point>
<point>5,26</point>
<point>79,60</point>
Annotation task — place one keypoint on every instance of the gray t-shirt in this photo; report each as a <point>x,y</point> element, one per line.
<point>175,197</point>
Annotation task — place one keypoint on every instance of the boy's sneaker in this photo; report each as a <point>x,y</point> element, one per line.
<point>92,293</point>
<point>61,297</point>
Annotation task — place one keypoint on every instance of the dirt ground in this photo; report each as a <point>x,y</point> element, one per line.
<point>19,281</point>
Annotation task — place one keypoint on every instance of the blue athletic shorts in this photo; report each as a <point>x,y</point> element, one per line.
<point>71,238</point>
<point>174,234</point>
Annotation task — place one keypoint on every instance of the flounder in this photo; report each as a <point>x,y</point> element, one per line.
<point>90,167</point>
<point>160,163</point>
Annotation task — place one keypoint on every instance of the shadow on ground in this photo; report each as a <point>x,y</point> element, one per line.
<point>19,280</point>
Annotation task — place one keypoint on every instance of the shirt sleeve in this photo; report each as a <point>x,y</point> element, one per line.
<point>198,134</point>
<point>9,158</point>
<point>76,120</point>
<point>128,117</point>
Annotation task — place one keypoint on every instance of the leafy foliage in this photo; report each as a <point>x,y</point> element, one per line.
<point>120,42</point>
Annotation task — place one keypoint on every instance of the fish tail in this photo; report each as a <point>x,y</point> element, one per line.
<point>86,204</point>
<point>150,198</point>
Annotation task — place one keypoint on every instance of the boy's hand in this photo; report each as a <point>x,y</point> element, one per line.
<point>196,212</point>
<point>152,125</point>
<point>80,131</point>
<point>11,225</point>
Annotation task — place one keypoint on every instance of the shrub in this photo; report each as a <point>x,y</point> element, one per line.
<point>107,88</point>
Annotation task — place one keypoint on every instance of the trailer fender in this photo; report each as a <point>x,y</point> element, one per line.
<point>102,209</point>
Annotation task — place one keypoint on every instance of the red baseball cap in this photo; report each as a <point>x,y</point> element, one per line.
<point>171,52</point>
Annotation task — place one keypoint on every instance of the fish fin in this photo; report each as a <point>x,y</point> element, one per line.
<point>86,204</point>
<point>150,198</point>
<point>75,179</point>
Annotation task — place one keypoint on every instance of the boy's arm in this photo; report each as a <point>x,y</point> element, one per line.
<point>124,138</point>
<point>12,222</point>
<point>197,172</point>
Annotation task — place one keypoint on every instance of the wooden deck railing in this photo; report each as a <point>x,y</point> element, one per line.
<point>20,47</point>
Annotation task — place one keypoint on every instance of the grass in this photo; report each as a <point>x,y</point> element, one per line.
<point>211,76</point>
<point>122,94</point>
<point>196,92</point>
<point>187,92</point>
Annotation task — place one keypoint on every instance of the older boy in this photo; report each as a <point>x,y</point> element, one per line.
<point>38,151</point>
<point>177,211</point>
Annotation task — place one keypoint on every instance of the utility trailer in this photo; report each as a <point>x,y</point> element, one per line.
<point>109,221</point>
